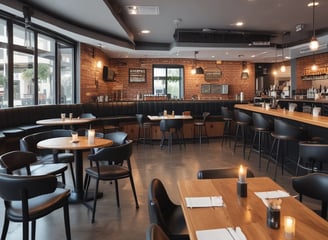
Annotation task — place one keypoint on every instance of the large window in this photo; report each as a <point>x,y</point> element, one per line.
<point>35,68</point>
<point>168,80</point>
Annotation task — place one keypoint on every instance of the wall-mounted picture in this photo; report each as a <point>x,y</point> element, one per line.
<point>137,75</point>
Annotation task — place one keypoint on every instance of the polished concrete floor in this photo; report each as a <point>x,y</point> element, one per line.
<point>149,162</point>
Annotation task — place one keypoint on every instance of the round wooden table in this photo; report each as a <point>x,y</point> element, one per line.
<point>65,143</point>
<point>66,122</point>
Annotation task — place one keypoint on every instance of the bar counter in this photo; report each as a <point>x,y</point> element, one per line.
<point>306,118</point>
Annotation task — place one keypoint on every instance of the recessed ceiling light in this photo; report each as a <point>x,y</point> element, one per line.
<point>145,31</point>
<point>142,10</point>
<point>239,24</point>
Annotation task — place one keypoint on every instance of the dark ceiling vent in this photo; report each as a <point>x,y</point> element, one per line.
<point>222,36</point>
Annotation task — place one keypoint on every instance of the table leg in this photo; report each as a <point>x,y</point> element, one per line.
<point>77,193</point>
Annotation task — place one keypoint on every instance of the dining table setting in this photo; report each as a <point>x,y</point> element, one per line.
<point>215,209</point>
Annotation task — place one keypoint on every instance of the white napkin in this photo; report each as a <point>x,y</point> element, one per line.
<point>272,194</point>
<point>266,196</point>
<point>220,233</point>
<point>213,201</point>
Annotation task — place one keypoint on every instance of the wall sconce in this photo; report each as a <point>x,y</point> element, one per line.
<point>98,67</point>
<point>244,73</point>
<point>196,70</point>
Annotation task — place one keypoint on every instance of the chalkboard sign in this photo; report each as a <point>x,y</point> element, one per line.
<point>214,88</point>
<point>205,88</point>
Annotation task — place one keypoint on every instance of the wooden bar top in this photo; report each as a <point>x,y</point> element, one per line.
<point>307,118</point>
<point>248,213</point>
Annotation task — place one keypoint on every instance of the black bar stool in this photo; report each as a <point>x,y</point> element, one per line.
<point>283,133</point>
<point>262,128</point>
<point>146,129</point>
<point>171,127</point>
<point>227,118</point>
<point>200,127</point>
<point>243,121</point>
<point>312,156</point>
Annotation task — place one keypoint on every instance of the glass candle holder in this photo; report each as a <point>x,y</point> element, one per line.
<point>63,116</point>
<point>289,227</point>
<point>91,136</point>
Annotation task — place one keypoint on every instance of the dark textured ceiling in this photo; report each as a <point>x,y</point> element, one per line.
<point>185,26</point>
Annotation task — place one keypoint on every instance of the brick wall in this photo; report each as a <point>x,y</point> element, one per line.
<point>231,76</point>
<point>306,63</point>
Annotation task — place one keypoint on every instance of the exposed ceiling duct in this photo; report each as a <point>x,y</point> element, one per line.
<point>207,35</point>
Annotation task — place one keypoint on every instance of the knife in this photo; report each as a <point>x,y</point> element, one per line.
<point>233,234</point>
<point>240,234</point>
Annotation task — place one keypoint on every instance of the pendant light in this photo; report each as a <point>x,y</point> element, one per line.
<point>283,67</point>
<point>314,44</point>
<point>274,72</point>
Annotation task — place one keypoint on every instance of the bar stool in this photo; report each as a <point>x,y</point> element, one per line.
<point>262,129</point>
<point>312,156</point>
<point>227,118</point>
<point>243,121</point>
<point>146,127</point>
<point>172,127</point>
<point>283,133</point>
<point>200,128</point>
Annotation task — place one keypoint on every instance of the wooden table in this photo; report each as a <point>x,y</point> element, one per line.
<point>248,213</point>
<point>307,118</point>
<point>67,121</point>
<point>65,143</point>
<point>177,117</point>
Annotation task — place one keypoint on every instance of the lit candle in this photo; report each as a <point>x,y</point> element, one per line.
<point>242,174</point>
<point>91,136</point>
<point>289,226</point>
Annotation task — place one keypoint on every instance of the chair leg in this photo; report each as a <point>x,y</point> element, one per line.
<point>277,159</point>
<point>33,229</point>
<point>117,194</point>
<point>5,228</point>
<point>236,138</point>
<point>67,222</point>
<point>324,206</point>
<point>252,146</point>
<point>95,202</point>
<point>72,173</point>
<point>134,191</point>
<point>25,230</point>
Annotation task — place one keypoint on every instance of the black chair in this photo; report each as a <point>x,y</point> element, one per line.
<point>227,117</point>
<point>315,186</point>
<point>171,127</point>
<point>200,128</point>
<point>109,166</point>
<point>222,173</point>
<point>144,129</point>
<point>154,232</point>
<point>33,197</point>
<point>243,121</point>
<point>282,133</point>
<point>262,128</point>
<point>165,213</point>
<point>312,156</point>
<point>118,138</point>
<point>29,144</point>
<point>87,115</point>
<point>24,163</point>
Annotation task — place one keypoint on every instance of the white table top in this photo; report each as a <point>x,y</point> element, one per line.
<point>67,121</point>
<point>179,117</point>
<point>65,143</point>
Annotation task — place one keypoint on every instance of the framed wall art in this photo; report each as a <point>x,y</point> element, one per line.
<point>137,75</point>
